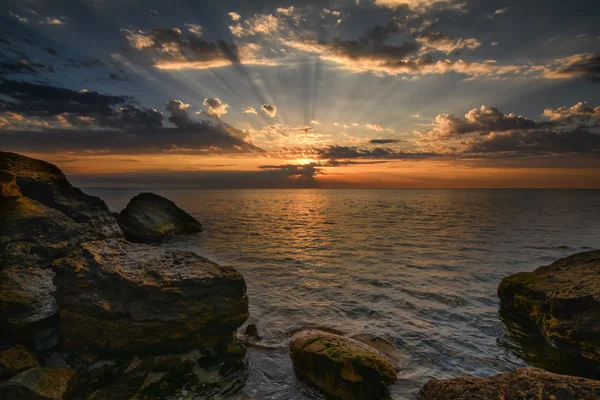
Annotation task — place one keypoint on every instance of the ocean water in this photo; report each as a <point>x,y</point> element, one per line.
<point>416,270</point>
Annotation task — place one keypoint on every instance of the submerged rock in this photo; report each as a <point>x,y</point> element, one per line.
<point>16,359</point>
<point>150,218</point>
<point>563,301</point>
<point>119,297</point>
<point>45,383</point>
<point>44,182</point>
<point>341,367</point>
<point>521,384</point>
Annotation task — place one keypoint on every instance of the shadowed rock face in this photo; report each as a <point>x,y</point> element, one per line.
<point>16,359</point>
<point>341,367</point>
<point>150,218</point>
<point>32,235</point>
<point>46,383</point>
<point>119,297</point>
<point>521,384</point>
<point>563,301</point>
<point>45,183</point>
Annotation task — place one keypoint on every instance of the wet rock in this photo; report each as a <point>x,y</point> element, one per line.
<point>252,332</point>
<point>45,183</point>
<point>341,367</point>
<point>8,184</point>
<point>120,297</point>
<point>45,339</point>
<point>55,360</point>
<point>45,383</point>
<point>150,218</point>
<point>562,300</point>
<point>521,384</point>
<point>16,359</point>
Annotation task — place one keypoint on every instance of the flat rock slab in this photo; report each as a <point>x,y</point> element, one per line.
<point>563,301</point>
<point>115,296</point>
<point>521,384</point>
<point>150,218</point>
<point>340,366</point>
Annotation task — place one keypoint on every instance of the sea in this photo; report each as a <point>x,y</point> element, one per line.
<point>415,272</point>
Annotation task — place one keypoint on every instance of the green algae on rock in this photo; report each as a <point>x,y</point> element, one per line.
<point>150,218</point>
<point>45,383</point>
<point>16,359</point>
<point>563,301</point>
<point>341,367</point>
<point>120,297</point>
<point>521,384</point>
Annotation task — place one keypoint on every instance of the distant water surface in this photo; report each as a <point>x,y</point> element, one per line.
<point>418,268</point>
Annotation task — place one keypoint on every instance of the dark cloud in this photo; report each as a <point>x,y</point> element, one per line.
<point>384,141</point>
<point>34,99</point>
<point>588,67</point>
<point>346,152</point>
<point>539,142</point>
<point>67,120</point>
<point>270,110</point>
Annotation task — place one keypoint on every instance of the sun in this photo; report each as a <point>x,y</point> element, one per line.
<point>305,161</point>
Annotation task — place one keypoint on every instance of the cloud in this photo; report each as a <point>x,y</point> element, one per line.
<point>446,44</point>
<point>336,152</point>
<point>169,48</point>
<point>265,24</point>
<point>19,18</point>
<point>539,141</point>
<point>582,112</point>
<point>42,118</point>
<point>579,65</point>
<point>249,110</point>
<point>289,11</point>
<point>315,122</point>
<point>498,12</point>
<point>216,108</point>
<point>422,6</point>
<point>234,16</point>
<point>375,127</point>
<point>268,109</point>
<point>384,141</point>
<point>54,21</point>
<point>195,29</point>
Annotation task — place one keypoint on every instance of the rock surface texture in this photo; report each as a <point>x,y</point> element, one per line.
<point>16,359</point>
<point>45,183</point>
<point>341,367</point>
<point>521,384</point>
<point>46,383</point>
<point>563,301</point>
<point>150,218</point>
<point>115,296</point>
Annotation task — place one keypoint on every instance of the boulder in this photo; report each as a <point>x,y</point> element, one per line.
<point>45,383</point>
<point>562,301</point>
<point>46,183</point>
<point>16,359</point>
<point>341,367</point>
<point>521,384</point>
<point>118,297</point>
<point>150,218</point>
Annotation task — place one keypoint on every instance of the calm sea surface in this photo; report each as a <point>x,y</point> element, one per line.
<point>416,270</point>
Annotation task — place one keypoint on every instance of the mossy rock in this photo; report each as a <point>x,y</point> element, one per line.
<point>521,384</point>
<point>562,301</point>
<point>16,359</point>
<point>341,367</point>
<point>150,218</point>
<point>8,184</point>
<point>45,383</point>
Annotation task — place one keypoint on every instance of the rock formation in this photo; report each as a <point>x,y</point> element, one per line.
<point>150,218</point>
<point>112,291</point>
<point>562,301</point>
<point>341,367</point>
<point>521,384</point>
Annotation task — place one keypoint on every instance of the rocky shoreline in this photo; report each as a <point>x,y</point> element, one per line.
<point>91,308</point>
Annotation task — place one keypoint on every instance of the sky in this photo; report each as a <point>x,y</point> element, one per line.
<point>303,94</point>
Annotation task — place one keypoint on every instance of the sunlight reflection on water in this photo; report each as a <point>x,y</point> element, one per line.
<point>418,268</point>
